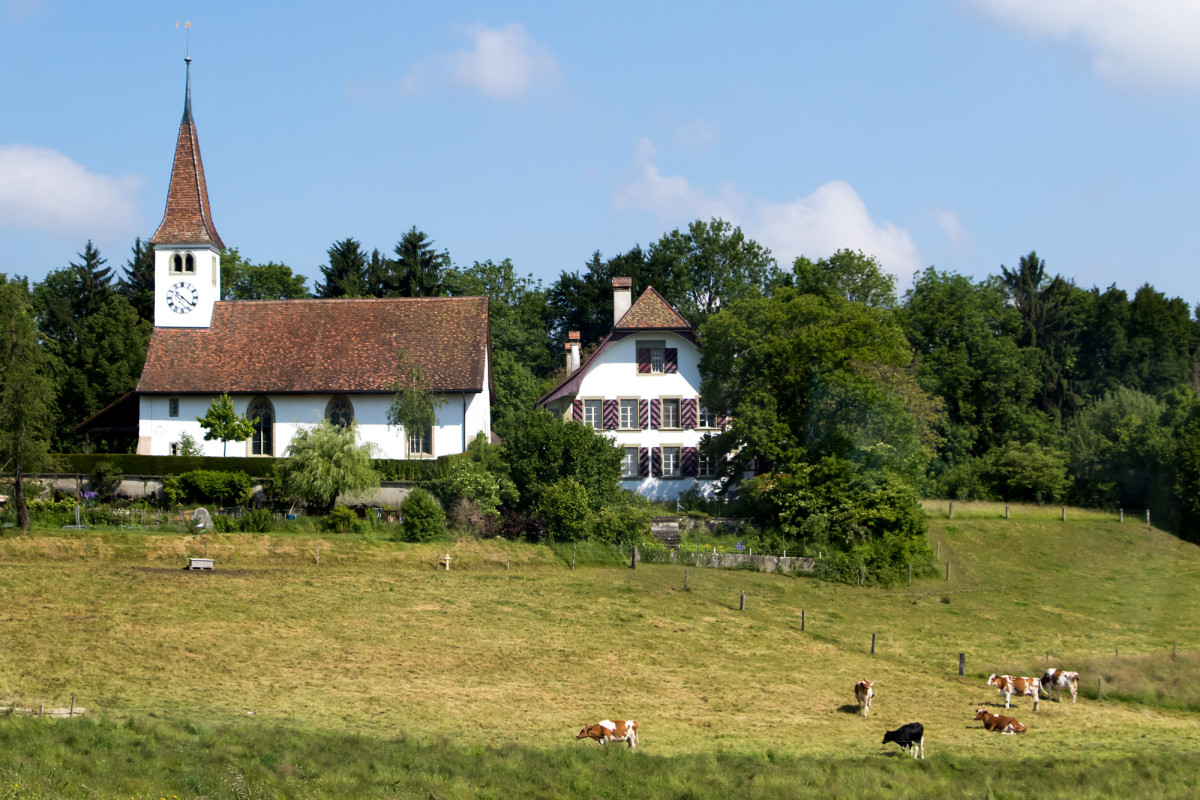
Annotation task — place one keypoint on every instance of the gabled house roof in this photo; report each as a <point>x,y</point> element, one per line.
<point>651,313</point>
<point>187,219</point>
<point>323,346</point>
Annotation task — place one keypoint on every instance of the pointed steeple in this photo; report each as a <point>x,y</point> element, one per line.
<point>187,219</point>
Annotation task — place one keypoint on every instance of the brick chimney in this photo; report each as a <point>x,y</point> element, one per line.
<point>622,297</point>
<point>572,348</point>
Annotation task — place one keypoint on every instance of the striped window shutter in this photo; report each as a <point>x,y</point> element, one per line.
<point>656,462</point>
<point>690,462</point>
<point>644,462</point>
<point>643,357</point>
<point>611,417</point>
<point>671,360</point>
<point>689,412</point>
<point>644,414</point>
<point>722,420</point>
<point>577,411</point>
<point>656,413</point>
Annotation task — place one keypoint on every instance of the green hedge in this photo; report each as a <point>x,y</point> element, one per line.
<point>389,469</point>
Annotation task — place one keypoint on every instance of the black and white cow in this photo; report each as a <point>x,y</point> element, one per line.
<point>910,737</point>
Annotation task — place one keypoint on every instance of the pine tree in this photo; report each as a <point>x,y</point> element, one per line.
<point>346,274</point>
<point>137,285</point>
<point>93,282</point>
<point>418,268</point>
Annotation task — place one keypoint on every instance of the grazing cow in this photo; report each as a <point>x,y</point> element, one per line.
<point>910,737</point>
<point>1058,679</point>
<point>610,730</point>
<point>995,722</point>
<point>863,693</point>
<point>1007,685</point>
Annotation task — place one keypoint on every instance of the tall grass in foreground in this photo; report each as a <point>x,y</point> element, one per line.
<point>154,758</point>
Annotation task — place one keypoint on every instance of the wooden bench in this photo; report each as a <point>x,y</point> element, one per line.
<point>200,563</point>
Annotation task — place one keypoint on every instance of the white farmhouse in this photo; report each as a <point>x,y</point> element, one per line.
<point>292,363</point>
<point>642,387</point>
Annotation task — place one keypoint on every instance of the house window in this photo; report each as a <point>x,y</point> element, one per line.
<point>592,414</point>
<point>420,443</point>
<point>705,418</point>
<point>629,414</point>
<point>670,462</point>
<point>629,463</point>
<point>652,357</point>
<point>173,407</point>
<point>670,413</point>
<point>705,467</point>
<point>339,411</point>
<point>174,448</point>
<point>262,414</point>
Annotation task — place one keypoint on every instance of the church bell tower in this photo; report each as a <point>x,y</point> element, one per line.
<point>187,248</point>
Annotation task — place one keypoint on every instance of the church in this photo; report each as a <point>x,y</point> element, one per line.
<point>287,364</point>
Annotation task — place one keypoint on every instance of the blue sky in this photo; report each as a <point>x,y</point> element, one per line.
<point>958,134</point>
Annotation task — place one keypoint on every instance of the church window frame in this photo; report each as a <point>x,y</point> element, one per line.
<point>339,410</point>
<point>262,441</point>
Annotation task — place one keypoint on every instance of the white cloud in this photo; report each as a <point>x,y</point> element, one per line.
<point>831,218</point>
<point>44,189</point>
<point>504,62</point>
<point>1129,40</point>
<point>952,226</point>
<point>698,135</point>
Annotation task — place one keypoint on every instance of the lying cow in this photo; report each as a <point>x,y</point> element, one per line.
<point>609,730</point>
<point>995,722</point>
<point>1058,679</point>
<point>1007,685</point>
<point>910,737</point>
<point>863,693</point>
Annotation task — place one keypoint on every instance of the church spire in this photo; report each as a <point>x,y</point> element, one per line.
<point>187,219</point>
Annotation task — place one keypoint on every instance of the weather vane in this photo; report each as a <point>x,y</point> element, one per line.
<point>188,42</point>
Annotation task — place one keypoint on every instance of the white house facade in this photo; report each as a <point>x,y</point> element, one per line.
<point>642,388</point>
<point>287,364</point>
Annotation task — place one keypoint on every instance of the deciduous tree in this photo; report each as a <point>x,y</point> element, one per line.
<point>324,461</point>
<point>222,423</point>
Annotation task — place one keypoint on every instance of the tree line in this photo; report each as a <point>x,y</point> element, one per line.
<point>846,400</point>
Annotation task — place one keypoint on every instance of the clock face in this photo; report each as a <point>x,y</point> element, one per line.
<point>182,297</point>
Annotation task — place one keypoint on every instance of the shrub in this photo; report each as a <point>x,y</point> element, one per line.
<point>422,518</point>
<point>341,520</point>
<point>105,479</point>
<point>209,486</point>
<point>224,523</point>
<point>258,520</point>
<point>625,521</point>
<point>468,516</point>
<point>527,525</point>
<point>565,507</point>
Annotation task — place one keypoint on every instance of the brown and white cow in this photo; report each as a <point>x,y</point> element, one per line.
<point>1058,679</point>
<point>864,693</point>
<point>611,730</point>
<point>995,722</point>
<point>1008,685</point>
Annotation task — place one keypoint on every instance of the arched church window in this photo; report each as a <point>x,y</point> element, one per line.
<point>262,414</point>
<point>339,411</point>
<point>189,263</point>
<point>177,263</point>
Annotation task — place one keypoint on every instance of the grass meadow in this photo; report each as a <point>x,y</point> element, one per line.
<point>373,674</point>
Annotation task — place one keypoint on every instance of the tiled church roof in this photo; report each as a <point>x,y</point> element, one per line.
<point>651,311</point>
<point>322,346</point>
<point>187,219</point>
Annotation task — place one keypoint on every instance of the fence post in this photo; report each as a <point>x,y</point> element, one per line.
<point>633,559</point>
<point>507,559</point>
<point>951,514</point>
<point>574,549</point>
<point>1064,513</point>
<point>872,644</point>
<point>962,664</point>
<point>947,570</point>
<point>1099,688</point>
<point>939,550</point>
<point>1121,511</point>
<point>910,573</point>
<point>1147,518</point>
<point>743,605</point>
<point>318,555</point>
<point>71,713</point>
<point>1006,510</point>
<point>685,576</point>
<point>802,620</point>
